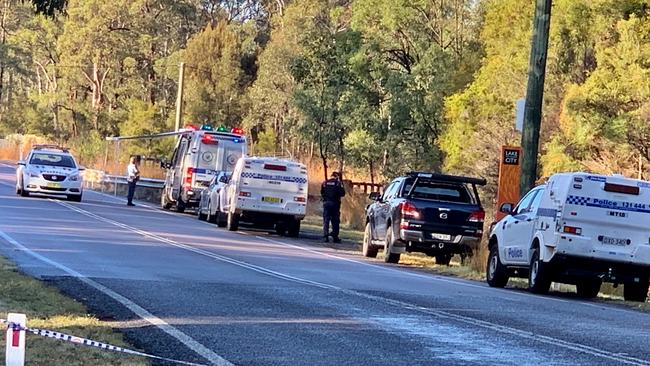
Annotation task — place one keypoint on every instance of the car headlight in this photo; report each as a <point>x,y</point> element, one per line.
<point>74,178</point>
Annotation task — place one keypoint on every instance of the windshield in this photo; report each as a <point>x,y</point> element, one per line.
<point>64,161</point>
<point>430,190</point>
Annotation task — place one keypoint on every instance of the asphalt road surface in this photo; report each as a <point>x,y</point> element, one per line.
<point>186,289</point>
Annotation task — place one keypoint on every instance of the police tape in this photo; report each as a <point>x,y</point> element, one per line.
<point>90,343</point>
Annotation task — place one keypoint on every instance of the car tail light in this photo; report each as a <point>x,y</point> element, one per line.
<point>299,199</point>
<point>404,225</point>
<point>477,216</point>
<point>281,168</point>
<point>244,194</point>
<point>409,210</point>
<point>209,140</point>
<point>573,230</point>
<point>188,177</point>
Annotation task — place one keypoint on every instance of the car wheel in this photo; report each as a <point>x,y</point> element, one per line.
<point>633,291</point>
<point>390,257</point>
<point>496,273</point>
<point>232,222</point>
<point>164,202</point>
<point>74,197</point>
<point>369,250</point>
<point>539,279</point>
<point>222,220</point>
<point>210,217</point>
<point>180,206</point>
<point>588,288</point>
<point>443,259</point>
<point>293,229</point>
<point>281,228</point>
<point>24,193</point>
<point>200,214</point>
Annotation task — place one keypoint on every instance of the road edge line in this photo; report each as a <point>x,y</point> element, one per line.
<point>172,331</point>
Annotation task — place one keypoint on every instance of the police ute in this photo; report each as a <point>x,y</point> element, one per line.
<point>200,153</point>
<point>51,170</point>
<point>267,193</point>
<point>578,228</point>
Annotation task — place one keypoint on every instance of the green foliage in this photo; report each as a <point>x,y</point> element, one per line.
<point>265,143</point>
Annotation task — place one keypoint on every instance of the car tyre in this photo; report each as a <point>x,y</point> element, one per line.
<point>633,291</point>
<point>293,229</point>
<point>588,288</point>
<point>232,223</point>
<point>74,197</point>
<point>389,256</point>
<point>180,206</point>
<point>443,259</point>
<point>369,250</point>
<point>164,202</point>
<point>281,228</point>
<point>200,215</point>
<point>539,279</point>
<point>221,219</point>
<point>496,273</point>
<point>24,193</point>
<point>210,217</point>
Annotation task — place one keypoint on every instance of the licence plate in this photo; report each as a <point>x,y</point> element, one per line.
<point>54,185</point>
<point>441,236</point>
<point>271,199</point>
<point>614,241</point>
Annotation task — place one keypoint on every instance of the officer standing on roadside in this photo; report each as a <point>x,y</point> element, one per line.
<point>331,193</point>
<point>133,175</point>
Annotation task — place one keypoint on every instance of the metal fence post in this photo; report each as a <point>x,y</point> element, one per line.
<point>15,351</point>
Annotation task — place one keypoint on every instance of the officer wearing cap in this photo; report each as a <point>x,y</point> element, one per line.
<point>331,193</point>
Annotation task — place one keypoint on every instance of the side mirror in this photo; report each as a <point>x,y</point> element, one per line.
<point>375,196</point>
<point>506,208</point>
<point>223,179</point>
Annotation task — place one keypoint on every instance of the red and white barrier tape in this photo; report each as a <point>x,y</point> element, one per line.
<point>90,343</point>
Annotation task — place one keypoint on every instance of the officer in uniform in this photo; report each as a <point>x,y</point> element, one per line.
<point>331,193</point>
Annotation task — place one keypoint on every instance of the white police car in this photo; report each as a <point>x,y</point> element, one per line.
<point>49,169</point>
<point>578,228</point>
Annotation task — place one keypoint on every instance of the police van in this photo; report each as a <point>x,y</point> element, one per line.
<point>266,192</point>
<point>200,153</point>
<point>578,228</point>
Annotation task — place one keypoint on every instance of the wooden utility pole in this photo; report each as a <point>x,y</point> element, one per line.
<point>535,95</point>
<point>179,97</point>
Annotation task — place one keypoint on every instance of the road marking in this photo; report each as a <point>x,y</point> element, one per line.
<point>392,302</point>
<point>190,342</point>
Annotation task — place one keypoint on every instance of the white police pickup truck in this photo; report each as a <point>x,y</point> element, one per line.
<point>578,228</point>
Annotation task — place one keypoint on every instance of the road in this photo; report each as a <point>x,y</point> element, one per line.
<point>186,289</point>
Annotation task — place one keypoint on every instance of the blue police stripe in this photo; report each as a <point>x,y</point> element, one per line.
<point>607,204</point>
<point>280,178</point>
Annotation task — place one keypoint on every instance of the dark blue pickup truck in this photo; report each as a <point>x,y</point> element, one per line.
<point>436,214</point>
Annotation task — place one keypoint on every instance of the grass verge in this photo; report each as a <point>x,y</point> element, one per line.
<point>47,308</point>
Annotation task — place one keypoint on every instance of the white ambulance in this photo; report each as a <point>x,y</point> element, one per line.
<point>266,192</point>
<point>578,228</point>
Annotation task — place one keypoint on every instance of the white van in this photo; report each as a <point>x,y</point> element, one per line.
<point>266,192</point>
<point>200,153</point>
<point>578,228</point>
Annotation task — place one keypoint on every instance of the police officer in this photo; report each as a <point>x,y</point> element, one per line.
<point>133,175</point>
<point>331,193</point>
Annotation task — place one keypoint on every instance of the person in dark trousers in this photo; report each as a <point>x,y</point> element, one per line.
<point>133,175</point>
<point>331,193</point>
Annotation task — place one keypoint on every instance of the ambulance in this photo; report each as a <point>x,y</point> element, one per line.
<point>200,153</point>
<point>266,192</point>
<point>578,228</point>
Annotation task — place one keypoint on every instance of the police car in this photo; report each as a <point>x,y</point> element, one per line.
<point>266,192</point>
<point>578,228</point>
<point>49,169</point>
<point>199,154</point>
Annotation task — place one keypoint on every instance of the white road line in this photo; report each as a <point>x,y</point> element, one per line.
<point>425,310</point>
<point>188,341</point>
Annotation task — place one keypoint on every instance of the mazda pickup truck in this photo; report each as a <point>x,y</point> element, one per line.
<point>436,214</point>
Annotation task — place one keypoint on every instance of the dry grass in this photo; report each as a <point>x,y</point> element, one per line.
<point>46,308</point>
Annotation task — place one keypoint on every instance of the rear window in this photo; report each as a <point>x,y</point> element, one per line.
<point>429,190</point>
<point>64,161</point>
